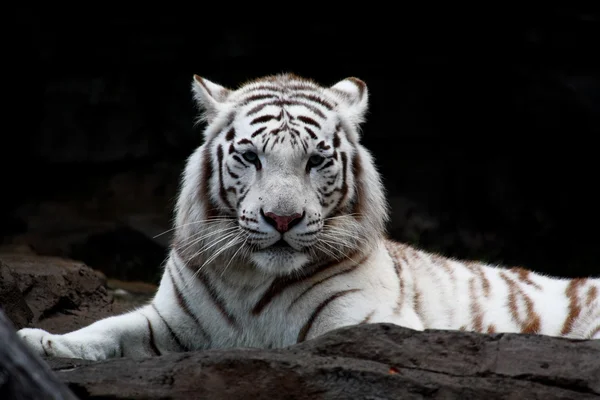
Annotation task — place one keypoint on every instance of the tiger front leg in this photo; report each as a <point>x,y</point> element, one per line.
<point>138,333</point>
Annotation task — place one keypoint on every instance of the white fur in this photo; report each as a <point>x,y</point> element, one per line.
<point>228,274</point>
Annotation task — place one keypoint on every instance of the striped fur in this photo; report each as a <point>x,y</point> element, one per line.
<point>279,237</point>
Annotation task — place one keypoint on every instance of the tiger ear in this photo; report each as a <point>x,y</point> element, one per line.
<point>354,95</point>
<point>209,97</point>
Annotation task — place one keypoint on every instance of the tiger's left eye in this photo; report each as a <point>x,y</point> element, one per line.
<point>314,161</point>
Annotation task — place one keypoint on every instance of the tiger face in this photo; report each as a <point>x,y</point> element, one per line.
<point>282,170</point>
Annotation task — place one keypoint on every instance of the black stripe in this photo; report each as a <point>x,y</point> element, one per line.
<point>309,121</point>
<point>222,191</point>
<point>282,103</point>
<point>344,188</point>
<point>264,118</point>
<point>232,174</point>
<point>230,135</point>
<point>315,99</point>
<point>278,285</point>
<point>185,306</point>
<point>239,160</point>
<point>311,133</point>
<point>217,300</point>
<point>336,140</point>
<point>258,131</point>
<point>207,172</point>
<point>322,146</point>
<point>338,273</point>
<point>171,332</point>
<point>308,325</point>
<point>260,107</point>
<point>151,341</point>
<point>256,97</point>
<point>356,204</point>
<point>326,165</point>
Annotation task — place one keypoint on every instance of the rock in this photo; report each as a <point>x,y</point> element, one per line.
<point>24,375</point>
<point>51,293</point>
<point>381,361</point>
<point>11,299</point>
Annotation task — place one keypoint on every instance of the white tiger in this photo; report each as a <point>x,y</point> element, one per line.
<point>280,237</point>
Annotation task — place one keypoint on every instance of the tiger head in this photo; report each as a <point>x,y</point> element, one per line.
<point>281,181</point>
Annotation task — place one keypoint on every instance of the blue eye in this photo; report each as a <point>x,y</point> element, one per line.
<point>250,156</point>
<point>315,160</point>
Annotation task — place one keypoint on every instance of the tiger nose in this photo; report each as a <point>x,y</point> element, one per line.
<point>282,223</point>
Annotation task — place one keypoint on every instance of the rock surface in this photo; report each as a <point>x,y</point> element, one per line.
<point>379,361</point>
<point>50,292</point>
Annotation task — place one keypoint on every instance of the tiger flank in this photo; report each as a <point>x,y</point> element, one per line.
<point>279,237</point>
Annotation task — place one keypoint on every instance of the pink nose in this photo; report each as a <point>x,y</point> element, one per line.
<point>282,223</point>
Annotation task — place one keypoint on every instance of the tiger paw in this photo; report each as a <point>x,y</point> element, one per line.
<point>46,344</point>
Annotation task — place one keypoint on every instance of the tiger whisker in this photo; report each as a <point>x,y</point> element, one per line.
<point>206,221</point>
<point>204,237</point>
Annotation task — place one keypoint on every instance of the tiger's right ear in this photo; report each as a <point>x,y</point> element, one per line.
<point>209,97</point>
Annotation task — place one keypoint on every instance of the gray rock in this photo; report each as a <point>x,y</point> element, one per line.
<point>60,294</point>
<point>378,361</point>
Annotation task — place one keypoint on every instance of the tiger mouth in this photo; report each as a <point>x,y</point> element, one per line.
<point>280,244</point>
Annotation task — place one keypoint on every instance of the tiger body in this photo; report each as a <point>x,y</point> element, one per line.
<point>280,237</point>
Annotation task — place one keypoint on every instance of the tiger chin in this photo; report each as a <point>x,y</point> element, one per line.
<point>280,237</point>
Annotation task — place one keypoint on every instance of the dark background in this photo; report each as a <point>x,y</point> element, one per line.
<point>483,124</point>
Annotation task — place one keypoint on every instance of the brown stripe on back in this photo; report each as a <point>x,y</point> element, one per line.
<point>531,323</point>
<point>151,341</point>
<point>476,314</point>
<point>595,331</point>
<point>181,301</point>
<point>217,300</point>
<point>485,283</point>
<point>308,325</point>
<point>523,275</point>
<point>574,307</point>
<point>367,319</point>
<point>174,337</point>
<point>491,329</point>
<point>393,253</point>
<point>478,270</point>
<point>443,262</point>
<point>418,306</point>
<point>592,295</point>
